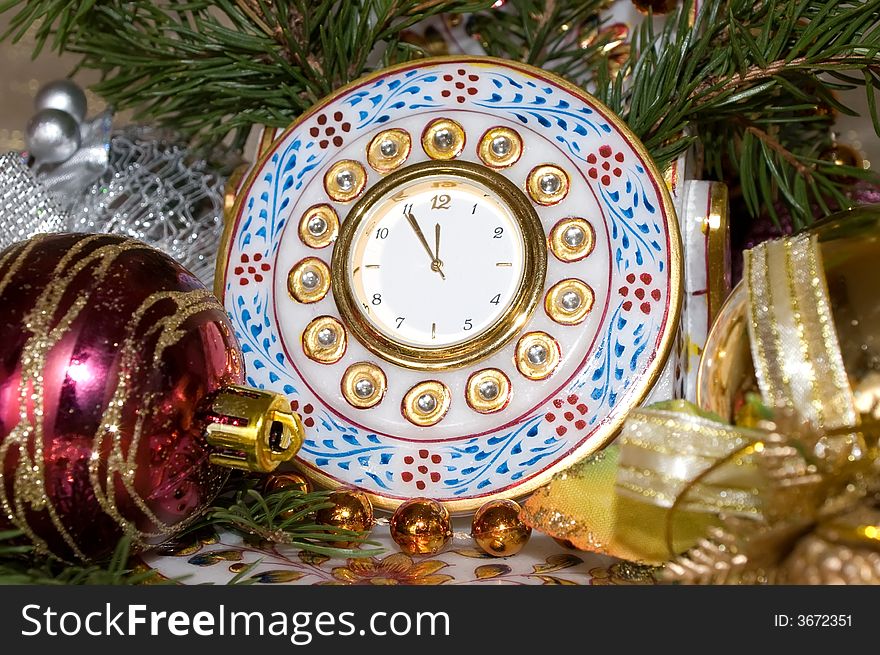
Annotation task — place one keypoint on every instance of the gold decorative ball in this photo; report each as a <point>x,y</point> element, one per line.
<point>352,510</point>
<point>288,482</point>
<point>850,244</point>
<point>498,528</point>
<point>421,526</point>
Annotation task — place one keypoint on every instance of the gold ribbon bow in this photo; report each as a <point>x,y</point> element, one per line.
<point>788,500</point>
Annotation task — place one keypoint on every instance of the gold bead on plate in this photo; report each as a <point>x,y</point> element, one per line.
<point>364,385</point>
<point>537,355</point>
<point>488,391</point>
<point>308,280</point>
<point>319,226</point>
<point>389,149</point>
<point>500,147</point>
<point>324,340</point>
<point>547,184</point>
<point>345,180</point>
<point>443,139</point>
<point>572,239</point>
<point>426,403</point>
<point>568,302</point>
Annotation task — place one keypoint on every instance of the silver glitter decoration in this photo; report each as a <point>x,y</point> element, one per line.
<point>52,136</point>
<point>317,226</point>
<point>309,279</point>
<point>26,208</point>
<point>65,95</point>
<point>155,190</point>
<point>388,148</point>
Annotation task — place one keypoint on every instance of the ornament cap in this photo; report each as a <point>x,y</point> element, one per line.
<point>252,429</point>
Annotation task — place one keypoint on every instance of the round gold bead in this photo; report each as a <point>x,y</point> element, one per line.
<point>500,147</point>
<point>345,180</point>
<point>443,138</point>
<point>389,149</point>
<point>498,529</point>
<point>421,526</point>
<point>319,226</point>
<point>287,482</point>
<point>426,403</point>
<point>572,239</point>
<point>364,385</point>
<point>537,355</point>
<point>568,302</point>
<point>488,391</point>
<point>324,340</point>
<point>308,280</point>
<point>351,510</point>
<point>547,184</point>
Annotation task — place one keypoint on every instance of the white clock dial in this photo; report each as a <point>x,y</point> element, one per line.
<point>418,294</point>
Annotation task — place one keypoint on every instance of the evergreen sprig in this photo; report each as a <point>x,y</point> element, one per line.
<point>561,36</point>
<point>754,82</point>
<point>18,565</point>
<point>214,67</point>
<point>280,517</point>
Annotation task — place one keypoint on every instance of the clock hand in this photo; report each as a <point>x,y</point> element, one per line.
<point>437,264</point>
<point>411,219</point>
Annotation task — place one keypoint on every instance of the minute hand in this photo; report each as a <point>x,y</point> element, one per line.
<point>415,226</point>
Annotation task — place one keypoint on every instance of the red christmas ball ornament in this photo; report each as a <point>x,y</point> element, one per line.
<point>119,396</point>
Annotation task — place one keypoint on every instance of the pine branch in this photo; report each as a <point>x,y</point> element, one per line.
<point>214,67</point>
<point>754,82</point>
<point>281,517</point>
<point>561,36</point>
<point>17,566</point>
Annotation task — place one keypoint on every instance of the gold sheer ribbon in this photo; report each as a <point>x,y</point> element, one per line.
<point>676,474</point>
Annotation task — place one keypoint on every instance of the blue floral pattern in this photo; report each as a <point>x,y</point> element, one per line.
<point>636,321</point>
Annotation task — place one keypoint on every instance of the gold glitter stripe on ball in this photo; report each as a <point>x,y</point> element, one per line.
<point>45,333</point>
<point>189,304</point>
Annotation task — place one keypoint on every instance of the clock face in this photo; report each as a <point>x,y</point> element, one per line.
<point>435,267</point>
<point>462,273</point>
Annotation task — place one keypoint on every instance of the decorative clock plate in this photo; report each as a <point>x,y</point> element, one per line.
<point>463,272</point>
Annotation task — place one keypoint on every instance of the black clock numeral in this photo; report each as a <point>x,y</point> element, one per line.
<point>496,299</point>
<point>400,320</point>
<point>468,324</point>
<point>474,210</point>
<point>441,201</point>
<point>382,233</point>
<point>377,299</point>
<point>407,209</point>
<point>499,231</point>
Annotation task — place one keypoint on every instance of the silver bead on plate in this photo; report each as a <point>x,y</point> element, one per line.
<point>364,388</point>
